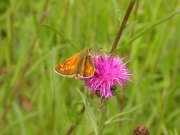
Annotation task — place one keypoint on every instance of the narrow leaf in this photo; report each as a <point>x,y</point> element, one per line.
<point>117,120</point>
<point>116,116</point>
<point>90,114</point>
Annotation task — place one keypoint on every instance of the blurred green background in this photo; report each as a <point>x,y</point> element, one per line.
<point>36,35</point>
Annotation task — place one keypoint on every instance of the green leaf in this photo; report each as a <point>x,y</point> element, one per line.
<point>117,120</point>
<point>90,114</point>
<point>116,116</point>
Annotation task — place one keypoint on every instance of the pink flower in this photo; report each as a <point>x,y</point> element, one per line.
<point>108,72</point>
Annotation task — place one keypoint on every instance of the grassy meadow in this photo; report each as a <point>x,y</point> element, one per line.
<point>36,35</point>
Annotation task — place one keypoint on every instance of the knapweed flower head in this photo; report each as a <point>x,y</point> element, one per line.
<point>108,72</point>
<point>141,130</point>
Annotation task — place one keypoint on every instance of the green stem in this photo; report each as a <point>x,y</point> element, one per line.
<point>102,117</point>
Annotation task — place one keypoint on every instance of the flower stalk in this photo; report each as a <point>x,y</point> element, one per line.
<point>102,116</point>
<point>122,26</point>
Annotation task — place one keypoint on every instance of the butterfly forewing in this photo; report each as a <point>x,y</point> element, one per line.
<point>79,65</point>
<point>68,68</point>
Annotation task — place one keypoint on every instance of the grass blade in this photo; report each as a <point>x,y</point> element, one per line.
<point>61,35</point>
<point>142,32</point>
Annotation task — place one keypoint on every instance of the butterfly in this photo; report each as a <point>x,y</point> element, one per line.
<point>80,65</point>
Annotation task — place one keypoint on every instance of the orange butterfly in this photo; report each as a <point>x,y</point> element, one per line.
<point>78,65</point>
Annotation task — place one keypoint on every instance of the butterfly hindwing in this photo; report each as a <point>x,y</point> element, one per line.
<point>87,68</point>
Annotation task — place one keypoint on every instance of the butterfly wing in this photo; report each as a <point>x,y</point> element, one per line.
<point>68,68</point>
<point>87,68</point>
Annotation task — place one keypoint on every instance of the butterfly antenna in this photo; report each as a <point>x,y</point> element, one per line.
<point>113,54</point>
